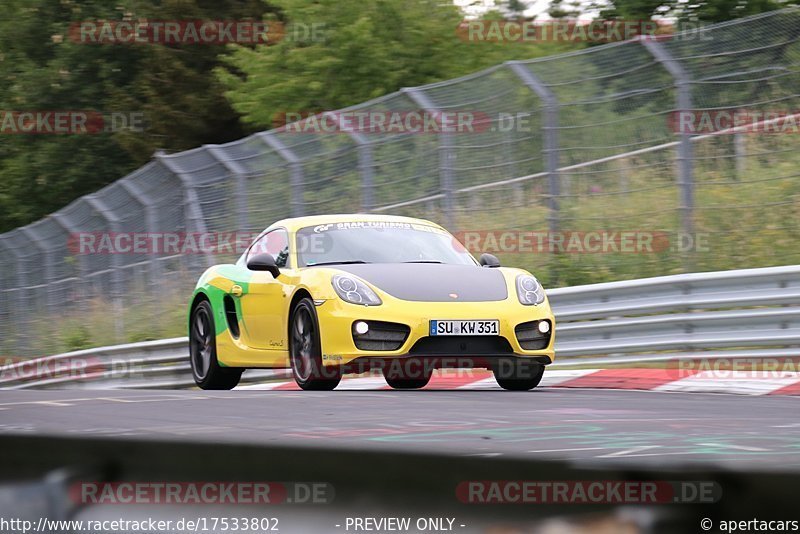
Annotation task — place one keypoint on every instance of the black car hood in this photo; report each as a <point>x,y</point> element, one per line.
<point>433,282</point>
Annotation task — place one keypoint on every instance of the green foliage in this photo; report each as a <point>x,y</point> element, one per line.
<point>43,69</point>
<point>708,11</point>
<point>559,9</point>
<point>365,50</point>
<point>103,322</point>
<point>721,10</point>
<point>77,337</point>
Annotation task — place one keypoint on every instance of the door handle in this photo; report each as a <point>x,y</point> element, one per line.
<point>236,291</point>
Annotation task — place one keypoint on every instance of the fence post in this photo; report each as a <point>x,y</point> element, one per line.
<point>149,222</point>
<point>194,215</point>
<point>683,84</point>
<point>740,155</point>
<point>49,277</point>
<point>64,222</point>
<point>295,171</point>
<point>365,162</point>
<point>550,134</point>
<point>108,215</point>
<point>239,174</point>
<point>446,156</point>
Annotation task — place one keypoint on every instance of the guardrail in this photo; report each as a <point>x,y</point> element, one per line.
<point>745,313</point>
<point>752,313</point>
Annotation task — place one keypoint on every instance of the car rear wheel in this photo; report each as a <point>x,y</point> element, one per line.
<point>206,370</point>
<point>397,379</point>
<point>305,351</point>
<point>518,374</point>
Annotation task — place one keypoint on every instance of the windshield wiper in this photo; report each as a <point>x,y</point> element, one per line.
<point>342,262</point>
<point>424,261</point>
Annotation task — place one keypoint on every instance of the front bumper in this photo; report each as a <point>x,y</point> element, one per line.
<point>336,319</point>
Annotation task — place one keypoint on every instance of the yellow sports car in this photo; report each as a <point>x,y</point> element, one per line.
<point>334,294</point>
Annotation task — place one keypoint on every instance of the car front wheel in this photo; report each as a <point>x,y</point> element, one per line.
<point>305,350</point>
<point>398,379</point>
<point>518,374</point>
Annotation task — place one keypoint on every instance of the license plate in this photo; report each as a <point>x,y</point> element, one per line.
<point>465,328</point>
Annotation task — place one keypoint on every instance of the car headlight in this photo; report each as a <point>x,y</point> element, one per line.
<point>529,291</point>
<point>351,289</point>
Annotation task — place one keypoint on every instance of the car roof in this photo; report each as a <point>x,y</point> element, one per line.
<point>295,223</point>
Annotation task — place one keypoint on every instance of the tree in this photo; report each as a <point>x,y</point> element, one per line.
<point>368,49</point>
<point>721,10</point>
<point>559,9</point>
<point>515,8</point>
<point>708,11</point>
<point>42,68</point>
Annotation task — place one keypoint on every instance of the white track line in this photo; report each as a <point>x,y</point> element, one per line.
<point>554,378</point>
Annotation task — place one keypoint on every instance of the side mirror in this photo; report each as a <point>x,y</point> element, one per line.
<point>489,260</point>
<point>264,262</point>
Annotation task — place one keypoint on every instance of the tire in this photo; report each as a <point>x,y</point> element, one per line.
<point>206,370</point>
<point>396,380</point>
<point>305,350</point>
<point>518,374</point>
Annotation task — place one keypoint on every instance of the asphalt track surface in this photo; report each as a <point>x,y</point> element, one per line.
<point>588,427</point>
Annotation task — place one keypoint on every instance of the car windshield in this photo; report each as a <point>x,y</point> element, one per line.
<point>378,242</point>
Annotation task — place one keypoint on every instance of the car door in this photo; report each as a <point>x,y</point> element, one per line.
<point>263,301</point>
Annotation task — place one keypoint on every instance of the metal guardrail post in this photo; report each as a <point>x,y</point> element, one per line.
<point>549,152</point>
<point>49,276</point>
<point>550,134</point>
<point>365,163</point>
<point>366,169</point>
<point>64,222</point>
<point>240,187</point>
<point>295,171</point>
<point>113,221</point>
<point>683,84</point>
<point>194,214</point>
<point>150,223</point>
<point>446,156</point>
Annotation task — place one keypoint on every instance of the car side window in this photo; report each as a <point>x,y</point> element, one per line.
<point>275,243</point>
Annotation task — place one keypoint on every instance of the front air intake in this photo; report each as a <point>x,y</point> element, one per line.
<point>230,316</point>
<point>380,335</point>
<point>530,337</point>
